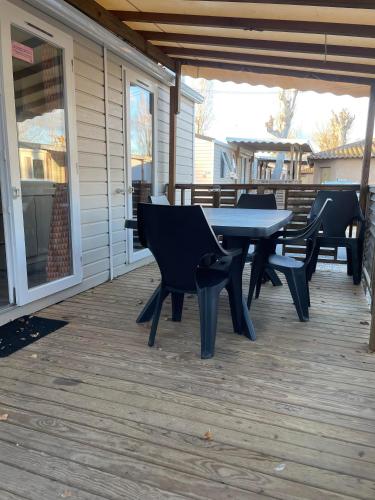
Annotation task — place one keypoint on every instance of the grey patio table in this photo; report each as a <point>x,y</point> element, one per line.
<point>238,226</point>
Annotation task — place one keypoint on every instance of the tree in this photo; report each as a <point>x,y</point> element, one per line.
<point>280,125</point>
<point>335,132</point>
<point>204,113</point>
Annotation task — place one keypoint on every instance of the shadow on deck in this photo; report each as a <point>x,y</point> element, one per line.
<point>95,413</point>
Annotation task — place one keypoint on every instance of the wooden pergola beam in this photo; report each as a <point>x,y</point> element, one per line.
<point>347,4</point>
<point>367,150</point>
<point>104,17</point>
<point>272,60</point>
<point>312,75</point>
<point>251,24</point>
<point>246,43</point>
<point>366,162</point>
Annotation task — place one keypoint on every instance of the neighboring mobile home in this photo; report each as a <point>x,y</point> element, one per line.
<point>218,162</point>
<point>84,133</point>
<point>342,164</point>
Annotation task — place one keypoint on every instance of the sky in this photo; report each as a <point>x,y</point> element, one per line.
<point>241,110</point>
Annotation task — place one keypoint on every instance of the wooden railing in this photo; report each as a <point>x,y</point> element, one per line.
<point>295,197</point>
<point>369,245</point>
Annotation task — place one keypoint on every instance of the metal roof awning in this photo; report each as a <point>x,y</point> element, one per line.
<point>319,45</point>
<point>271,144</point>
<point>352,150</point>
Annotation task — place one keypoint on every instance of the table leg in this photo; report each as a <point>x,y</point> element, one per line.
<point>242,323</point>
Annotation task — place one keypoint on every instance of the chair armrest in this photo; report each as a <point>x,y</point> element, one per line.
<point>234,252</point>
<point>131,224</point>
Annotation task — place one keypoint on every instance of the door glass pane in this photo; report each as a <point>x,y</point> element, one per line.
<point>38,78</point>
<point>141,146</point>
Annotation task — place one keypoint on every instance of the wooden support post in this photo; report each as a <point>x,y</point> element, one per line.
<point>364,191</point>
<point>367,149</point>
<point>174,109</point>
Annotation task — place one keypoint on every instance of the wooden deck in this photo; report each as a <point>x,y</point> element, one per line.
<point>95,413</point>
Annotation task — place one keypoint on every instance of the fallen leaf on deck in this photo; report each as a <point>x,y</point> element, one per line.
<point>67,494</point>
<point>280,467</point>
<point>4,417</point>
<point>34,356</point>
<point>208,436</point>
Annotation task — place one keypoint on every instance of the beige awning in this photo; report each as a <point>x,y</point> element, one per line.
<point>325,46</point>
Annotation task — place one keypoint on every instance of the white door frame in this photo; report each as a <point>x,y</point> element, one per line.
<point>12,15</point>
<point>131,76</point>
<point>7,205</point>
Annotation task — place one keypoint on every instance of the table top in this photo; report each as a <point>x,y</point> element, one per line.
<point>242,222</point>
<point>247,222</point>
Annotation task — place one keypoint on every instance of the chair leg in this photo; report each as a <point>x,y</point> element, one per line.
<point>311,268</point>
<point>255,276</point>
<point>308,293</point>
<point>297,294</point>
<point>303,289</point>
<point>356,264</point>
<point>275,280</point>
<point>177,306</point>
<point>156,316</point>
<point>258,287</point>
<point>349,258</point>
<point>208,299</point>
<point>235,302</point>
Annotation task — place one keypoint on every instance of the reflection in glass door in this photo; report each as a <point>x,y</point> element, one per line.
<point>141,148</point>
<point>38,79</point>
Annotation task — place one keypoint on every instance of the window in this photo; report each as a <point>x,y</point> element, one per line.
<point>227,166</point>
<point>38,169</point>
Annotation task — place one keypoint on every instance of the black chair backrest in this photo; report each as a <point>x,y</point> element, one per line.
<point>179,237</point>
<point>312,229</point>
<point>257,201</point>
<point>309,233</point>
<point>340,214</point>
<point>158,200</point>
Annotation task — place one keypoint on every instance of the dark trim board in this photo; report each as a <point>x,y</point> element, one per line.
<point>249,43</point>
<point>251,24</point>
<point>311,75</point>
<point>272,60</point>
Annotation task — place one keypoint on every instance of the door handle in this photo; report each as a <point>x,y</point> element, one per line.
<point>16,193</point>
<point>130,189</point>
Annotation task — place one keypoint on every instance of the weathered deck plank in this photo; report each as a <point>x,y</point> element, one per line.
<point>95,413</point>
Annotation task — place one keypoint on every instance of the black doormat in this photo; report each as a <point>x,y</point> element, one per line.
<point>24,331</point>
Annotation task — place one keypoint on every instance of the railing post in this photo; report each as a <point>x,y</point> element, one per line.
<point>367,149</point>
<point>216,197</point>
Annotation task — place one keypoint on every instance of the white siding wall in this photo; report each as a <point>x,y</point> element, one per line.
<point>89,68</point>
<point>117,150</point>
<point>89,78</point>
<point>204,161</point>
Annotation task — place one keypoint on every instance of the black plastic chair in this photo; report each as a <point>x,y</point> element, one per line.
<point>260,202</point>
<point>294,270</point>
<point>257,201</point>
<point>158,200</point>
<point>341,214</point>
<point>187,264</point>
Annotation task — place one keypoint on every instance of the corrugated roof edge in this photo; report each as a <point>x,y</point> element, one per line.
<point>351,150</point>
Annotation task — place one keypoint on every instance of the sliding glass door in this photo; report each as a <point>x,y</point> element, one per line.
<point>37,73</point>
